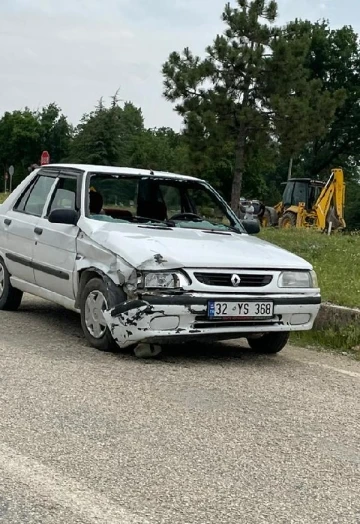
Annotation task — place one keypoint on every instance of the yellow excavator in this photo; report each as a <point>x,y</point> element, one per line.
<point>308,203</point>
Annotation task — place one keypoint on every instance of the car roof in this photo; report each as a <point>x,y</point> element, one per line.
<point>106,170</point>
<point>309,180</point>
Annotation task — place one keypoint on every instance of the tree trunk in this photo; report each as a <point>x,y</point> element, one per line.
<point>238,170</point>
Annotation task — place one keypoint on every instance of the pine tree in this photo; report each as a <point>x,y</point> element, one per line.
<point>251,85</point>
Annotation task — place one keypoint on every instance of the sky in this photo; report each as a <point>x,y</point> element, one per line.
<point>73,52</point>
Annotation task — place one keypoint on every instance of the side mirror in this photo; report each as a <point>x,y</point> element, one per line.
<point>252,227</point>
<point>64,216</point>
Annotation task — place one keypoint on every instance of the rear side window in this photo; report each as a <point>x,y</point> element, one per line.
<point>33,200</point>
<point>65,195</point>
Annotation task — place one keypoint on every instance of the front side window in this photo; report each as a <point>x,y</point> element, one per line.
<point>33,200</point>
<point>175,202</point>
<point>207,207</point>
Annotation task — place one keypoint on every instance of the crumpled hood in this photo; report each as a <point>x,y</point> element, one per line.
<point>188,248</point>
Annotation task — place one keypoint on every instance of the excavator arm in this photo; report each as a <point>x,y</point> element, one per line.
<point>329,207</point>
<point>340,196</point>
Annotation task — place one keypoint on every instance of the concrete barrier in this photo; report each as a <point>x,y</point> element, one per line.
<point>334,316</point>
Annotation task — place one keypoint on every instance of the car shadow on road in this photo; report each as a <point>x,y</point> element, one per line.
<point>59,320</point>
<point>49,316</point>
<point>221,352</point>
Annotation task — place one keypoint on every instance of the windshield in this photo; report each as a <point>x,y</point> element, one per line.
<point>158,201</point>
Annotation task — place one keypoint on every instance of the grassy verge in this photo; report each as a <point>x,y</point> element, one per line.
<point>3,197</point>
<point>342,340</point>
<point>335,260</point>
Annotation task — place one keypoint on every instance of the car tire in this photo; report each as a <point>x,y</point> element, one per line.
<point>270,218</point>
<point>94,326</point>
<point>10,297</point>
<point>288,220</point>
<point>270,343</point>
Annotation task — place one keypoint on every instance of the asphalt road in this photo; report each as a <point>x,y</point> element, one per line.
<point>205,435</point>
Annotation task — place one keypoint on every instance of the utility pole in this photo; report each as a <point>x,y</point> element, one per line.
<point>290,167</point>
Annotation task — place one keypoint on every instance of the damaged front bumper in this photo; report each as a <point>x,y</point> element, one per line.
<point>162,319</point>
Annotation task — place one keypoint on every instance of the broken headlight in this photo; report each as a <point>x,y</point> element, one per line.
<point>298,279</point>
<point>162,280</point>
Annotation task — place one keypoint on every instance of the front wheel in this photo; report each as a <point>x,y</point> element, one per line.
<point>10,298</point>
<point>93,303</point>
<point>270,343</point>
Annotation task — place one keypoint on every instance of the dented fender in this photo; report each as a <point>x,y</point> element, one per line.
<point>91,253</point>
<point>158,262</point>
<point>94,257</point>
<point>142,252</point>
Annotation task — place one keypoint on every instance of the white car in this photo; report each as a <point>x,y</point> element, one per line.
<point>149,258</point>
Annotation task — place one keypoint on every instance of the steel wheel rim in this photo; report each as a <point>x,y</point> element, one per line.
<point>2,280</point>
<point>95,306</point>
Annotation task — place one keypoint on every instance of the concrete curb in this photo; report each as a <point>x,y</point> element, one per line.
<point>334,316</point>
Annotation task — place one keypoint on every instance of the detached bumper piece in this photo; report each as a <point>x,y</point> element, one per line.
<point>164,319</point>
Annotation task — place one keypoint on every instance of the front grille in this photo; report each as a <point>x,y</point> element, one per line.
<point>203,322</point>
<point>224,279</point>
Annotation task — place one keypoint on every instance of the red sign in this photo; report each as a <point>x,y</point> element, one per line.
<point>45,158</point>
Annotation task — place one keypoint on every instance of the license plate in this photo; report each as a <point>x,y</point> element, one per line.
<point>240,310</point>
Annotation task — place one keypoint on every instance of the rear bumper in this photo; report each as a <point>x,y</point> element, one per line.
<point>175,318</point>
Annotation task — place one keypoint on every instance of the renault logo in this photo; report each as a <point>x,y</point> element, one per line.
<point>235,280</point>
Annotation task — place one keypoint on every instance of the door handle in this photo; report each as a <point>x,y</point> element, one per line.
<point>7,221</point>
<point>38,230</point>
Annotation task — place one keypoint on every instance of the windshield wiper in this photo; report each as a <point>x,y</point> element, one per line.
<point>228,228</point>
<point>153,221</point>
<point>145,219</point>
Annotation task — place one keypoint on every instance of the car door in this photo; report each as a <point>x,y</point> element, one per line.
<point>55,244</point>
<point>20,225</point>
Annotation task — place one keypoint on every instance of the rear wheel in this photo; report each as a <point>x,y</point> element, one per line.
<point>10,298</point>
<point>270,343</point>
<point>270,218</point>
<point>288,221</point>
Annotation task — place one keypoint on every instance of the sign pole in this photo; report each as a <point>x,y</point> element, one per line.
<point>11,173</point>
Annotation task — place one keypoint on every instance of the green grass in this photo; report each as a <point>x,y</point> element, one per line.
<point>344,339</point>
<point>3,197</point>
<point>335,260</point>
